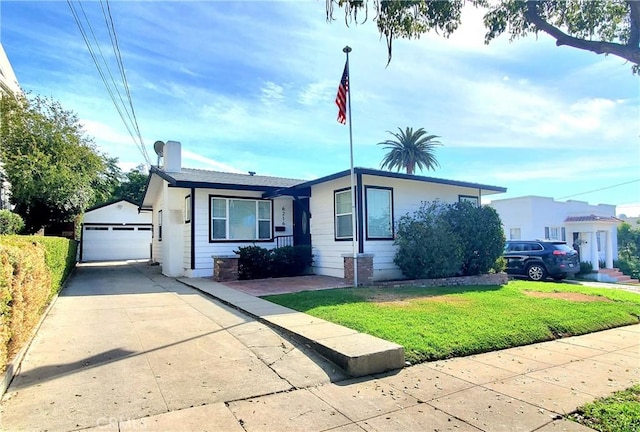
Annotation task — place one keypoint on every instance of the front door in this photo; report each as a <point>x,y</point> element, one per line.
<point>301,219</point>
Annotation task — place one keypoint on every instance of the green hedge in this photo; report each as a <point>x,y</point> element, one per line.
<point>32,271</point>
<point>256,262</point>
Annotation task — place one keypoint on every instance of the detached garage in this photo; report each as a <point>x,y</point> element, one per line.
<point>116,231</point>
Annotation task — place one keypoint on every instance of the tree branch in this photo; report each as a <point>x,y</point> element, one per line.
<point>628,52</point>
<point>634,34</point>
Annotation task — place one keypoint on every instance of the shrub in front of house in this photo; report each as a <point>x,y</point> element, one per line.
<point>10,223</point>
<point>256,262</point>
<point>442,240</point>
<point>479,232</point>
<point>628,265</point>
<point>585,268</point>
<point>290,260</point>
<point>32,270</point>
<point>427,246</point>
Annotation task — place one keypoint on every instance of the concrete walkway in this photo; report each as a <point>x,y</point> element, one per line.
<point>125,348</point>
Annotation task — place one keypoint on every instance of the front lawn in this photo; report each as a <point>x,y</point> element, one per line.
<point>442,322</point>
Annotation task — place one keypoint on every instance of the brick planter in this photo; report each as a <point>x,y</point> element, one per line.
<point>365,268</point>
<point>225,267</point>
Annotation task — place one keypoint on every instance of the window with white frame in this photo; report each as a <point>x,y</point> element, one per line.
<point>379,213</point>
<point>343,214</point>
<point>187,209</point>
<point>555,233</point>
<point>240,219</point>
<point>514,234</point>
<point>599,240</point>
<point>159,225</point>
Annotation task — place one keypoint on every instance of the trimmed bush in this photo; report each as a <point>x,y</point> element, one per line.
<point>10,223</point>
<point>442,240</point>
<point>32,270</point>
<point>256,262</point>
<point>290,260</point>
<point>585,268</point>
<point>479,232</point>
<point>427,245</point>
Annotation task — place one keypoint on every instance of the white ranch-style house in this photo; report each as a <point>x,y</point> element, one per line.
<point>199,214</point>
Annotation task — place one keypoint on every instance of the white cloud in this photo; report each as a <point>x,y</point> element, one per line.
<point>271,93</point>
<point>317,92</point>
<point>205,162</point>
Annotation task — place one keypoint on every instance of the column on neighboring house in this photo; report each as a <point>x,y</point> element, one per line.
<point>608,257</point>
<point>595,259</point>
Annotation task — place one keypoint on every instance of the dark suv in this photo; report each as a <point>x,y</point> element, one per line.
<point>537,259</point>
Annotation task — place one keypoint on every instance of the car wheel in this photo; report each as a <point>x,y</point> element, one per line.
<point>536,272</point>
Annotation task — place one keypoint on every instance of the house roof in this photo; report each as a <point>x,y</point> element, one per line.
<point>190,177</point>
<point>592,218</point>
<point>99,206</point>
<point>388,174</point>
<point>274,186</point>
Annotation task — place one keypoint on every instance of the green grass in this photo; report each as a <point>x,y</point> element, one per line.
<point>436,323</point>
<point>619,412</point>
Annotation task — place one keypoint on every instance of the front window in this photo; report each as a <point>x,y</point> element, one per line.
<point>468,198</point>
<point>160,225</point>
<point>343,215</point>
<point>379,213</point>
<point>240,219</point>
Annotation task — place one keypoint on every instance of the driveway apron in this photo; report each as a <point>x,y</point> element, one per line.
<point>123,342</point>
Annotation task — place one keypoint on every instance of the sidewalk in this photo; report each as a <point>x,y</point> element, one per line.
<point>125,348</point>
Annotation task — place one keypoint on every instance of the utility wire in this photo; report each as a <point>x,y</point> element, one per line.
<point>127,118</point>
<point>116,50</point>
<point>600,189</point>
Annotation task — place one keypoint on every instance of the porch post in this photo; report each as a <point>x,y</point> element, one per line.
<point>608,258</point>
<point>595,258</point>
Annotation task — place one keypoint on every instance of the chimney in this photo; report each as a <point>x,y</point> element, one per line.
<point>172,156</point>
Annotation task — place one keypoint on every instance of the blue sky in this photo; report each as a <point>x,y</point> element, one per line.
<point>250,86</point>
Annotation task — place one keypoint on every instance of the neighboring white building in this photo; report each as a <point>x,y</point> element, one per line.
<point>590,229</point>
<point>8,80</point>
<point>198,214</point>
<point>115,231</point>
<point>8,85</point>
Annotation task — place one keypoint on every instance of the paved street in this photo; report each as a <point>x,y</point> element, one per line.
<point>125,348</point>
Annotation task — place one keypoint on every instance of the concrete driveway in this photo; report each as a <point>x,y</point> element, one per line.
<point>123,342</point>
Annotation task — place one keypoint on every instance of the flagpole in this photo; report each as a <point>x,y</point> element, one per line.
<point>354,242</point>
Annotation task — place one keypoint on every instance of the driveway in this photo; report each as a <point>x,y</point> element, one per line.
<point>123,342</point>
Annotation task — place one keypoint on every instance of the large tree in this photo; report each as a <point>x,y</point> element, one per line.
<point>410,149</point>
<point>602,27</point>
<point>52,166</point>
<point>133,185</point>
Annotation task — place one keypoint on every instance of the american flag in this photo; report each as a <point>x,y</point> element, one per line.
<point>341,97</point>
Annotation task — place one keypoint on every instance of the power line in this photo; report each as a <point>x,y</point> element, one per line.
<point>128,118</point>
<point>600,189</point>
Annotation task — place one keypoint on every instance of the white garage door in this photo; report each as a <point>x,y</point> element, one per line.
<point>113,243</point>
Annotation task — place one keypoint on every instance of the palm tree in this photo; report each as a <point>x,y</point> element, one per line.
<point>410,150</point>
